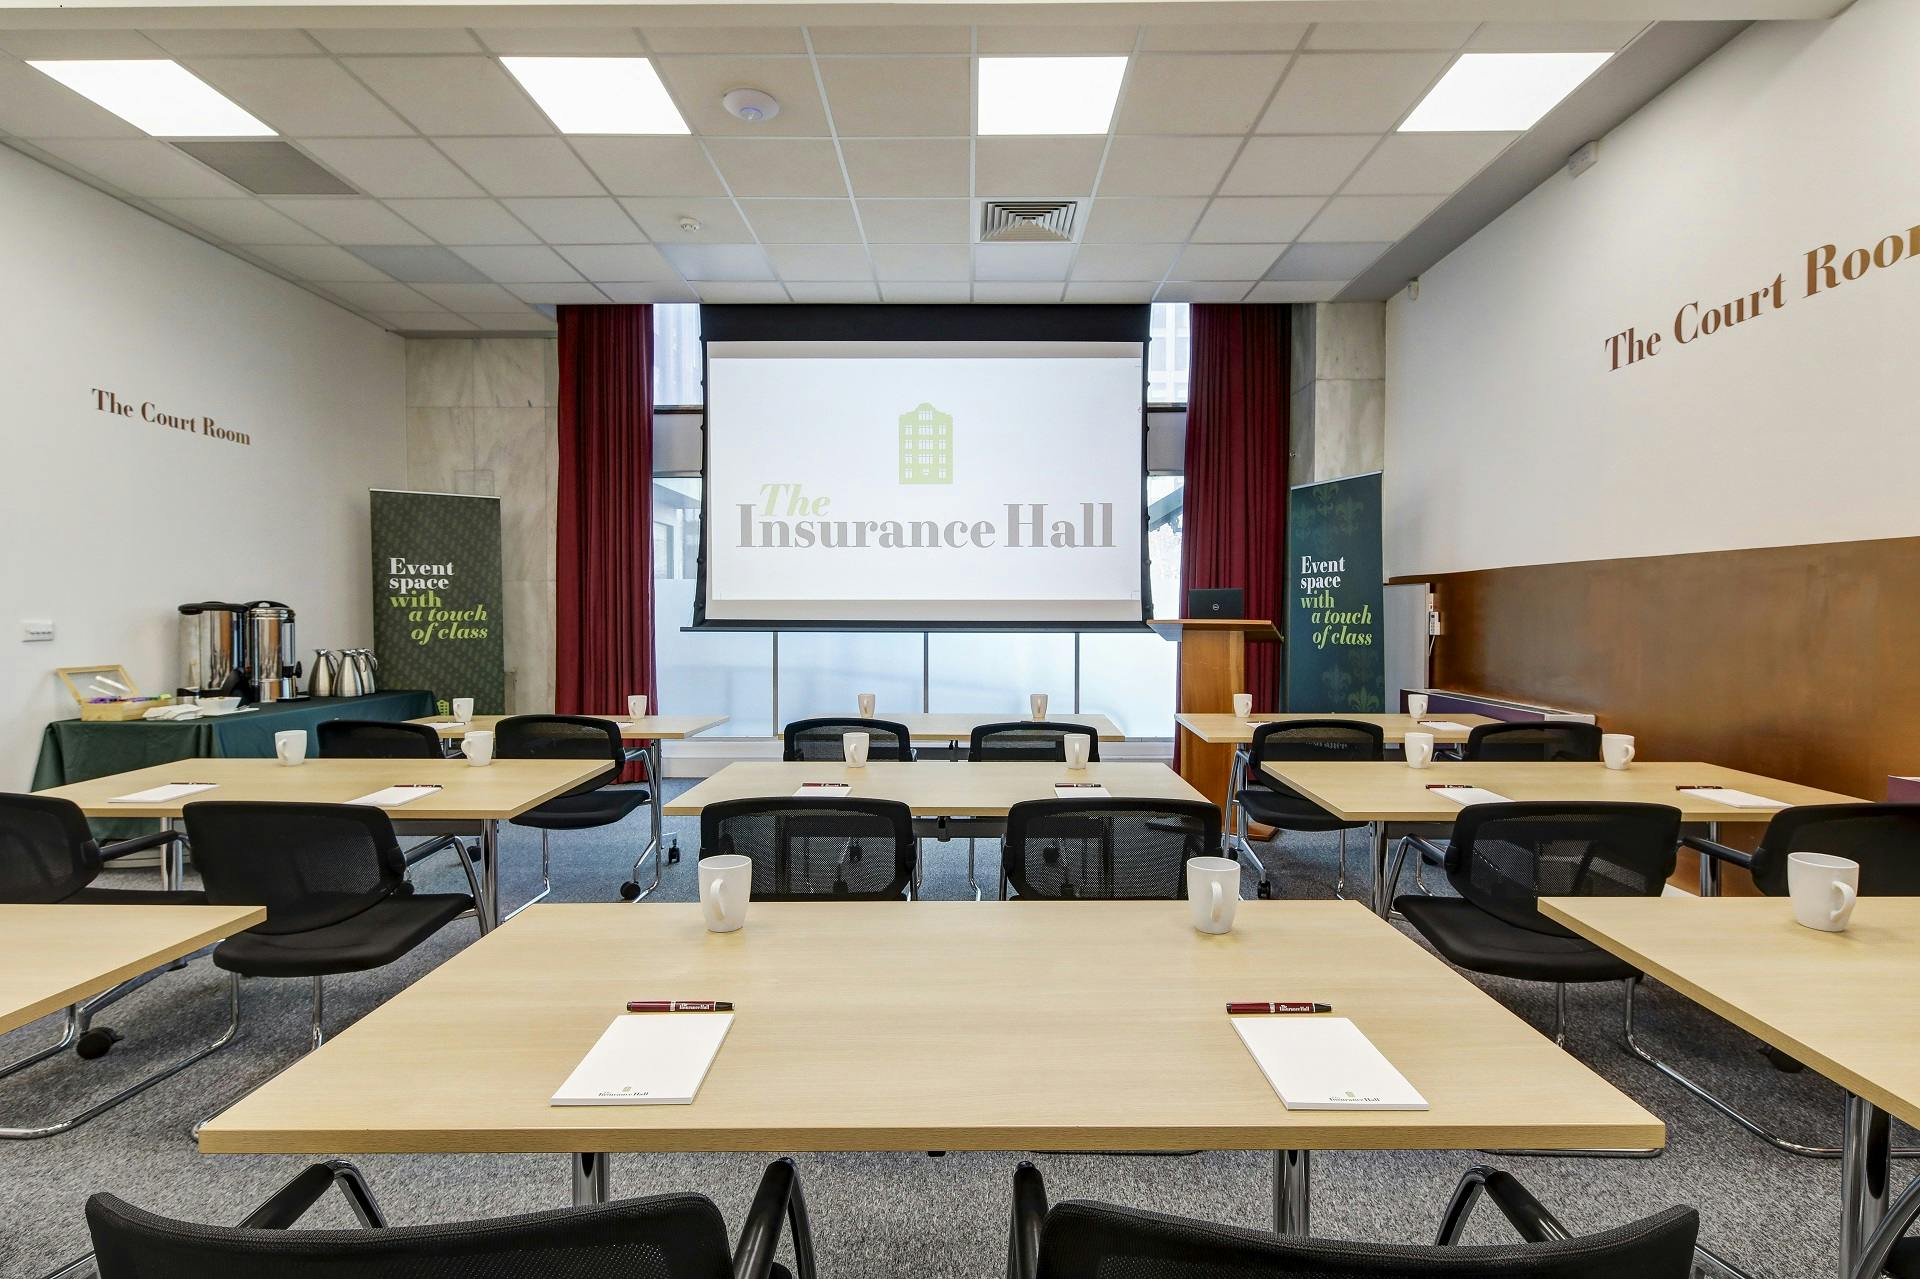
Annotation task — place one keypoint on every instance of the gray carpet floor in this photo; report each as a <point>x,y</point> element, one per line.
<point>882,1216</point>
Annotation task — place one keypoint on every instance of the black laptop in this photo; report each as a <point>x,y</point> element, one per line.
<point>1217,603</point>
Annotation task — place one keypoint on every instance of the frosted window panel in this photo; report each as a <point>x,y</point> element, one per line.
<point>710,672</point>
<point>676,355</point>
<point>1169,346</point>
<point>1129,676</point>
<point>994,674</point>
<point>824,673</point>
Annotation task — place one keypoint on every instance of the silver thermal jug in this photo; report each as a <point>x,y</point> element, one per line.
<point>323,673</point>
<point>212,648</point>
<point>364,664</point>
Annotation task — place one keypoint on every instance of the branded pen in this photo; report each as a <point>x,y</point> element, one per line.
<point>1277,1006</point>
<point>679,1006</point>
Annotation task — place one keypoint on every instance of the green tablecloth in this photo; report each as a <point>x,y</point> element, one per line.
<point>73,750</point>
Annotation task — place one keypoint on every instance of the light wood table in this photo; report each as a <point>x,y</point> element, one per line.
<point>932,788</point>
<point>1231,730</point>
<point>956,728</point>
<point>1389,791</point>
<point>1845,1004</point>
<point>922,1026</point>
<point>1213,667</point>
<point>54,957</point>
<point>470,799</point>
<point>650,730</point>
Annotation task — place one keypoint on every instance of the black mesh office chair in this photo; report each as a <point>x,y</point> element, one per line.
<point>1502,858</point>
<point>1883,838</point>
<point>1104,849</point>
<point>1028,741</point>
<point>820,738</point>
<point>385,739</point>
<point>1263,798</point>
<point>333,881</point>
<point>676,1236</point>
<point>1886,1250</point>
<point>808,848</point>
<point>1080,1240</point>
<point>1551,741</point>
<point>48,856</point>
<point>1548,740</point>
<point>593,803</point>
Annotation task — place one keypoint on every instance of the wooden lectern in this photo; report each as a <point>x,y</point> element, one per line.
<point>1213,667</point>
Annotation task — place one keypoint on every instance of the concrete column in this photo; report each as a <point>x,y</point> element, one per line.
<point>1338,390</point>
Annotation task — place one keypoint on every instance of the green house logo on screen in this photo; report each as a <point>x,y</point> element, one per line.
<point>926,446</point>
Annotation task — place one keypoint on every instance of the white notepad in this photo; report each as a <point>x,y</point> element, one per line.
<point>647,1059</point>
<point>1324,1063</point>
<point>829,790</point>
<point>1730,797</point>
<point>1444,725</point>
<point>1464,795</point>
<point>1079,790</point>
<point>394,796</point>
<point>163,794</point>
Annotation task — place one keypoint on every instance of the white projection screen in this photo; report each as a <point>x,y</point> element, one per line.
<point>936,483</point>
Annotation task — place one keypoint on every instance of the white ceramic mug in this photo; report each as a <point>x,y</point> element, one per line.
<point>1037,703</point>
<point>1075,745</point>
<point>1417,705</point>
<point>867,703</point>
<point>1616,749</point>
<point>726,886</point>
<point>463,709</point>
<point>290,746</point>
<point>1823,888</point>
<point>1242,705</point>
<point>1418,750</point>
<point>1213,892</point>
<point>854,747</point>
<point>637,706</point>
<point>478,748</point>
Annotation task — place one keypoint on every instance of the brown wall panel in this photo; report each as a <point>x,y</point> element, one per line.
<point>1800,662</point>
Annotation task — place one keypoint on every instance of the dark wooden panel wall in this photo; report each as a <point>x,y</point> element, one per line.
<point>1800,662</point>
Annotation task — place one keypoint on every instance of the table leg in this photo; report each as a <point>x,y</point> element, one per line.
<point>1710,866</point>
<point>1865,1178</point>
<point>173,862</point>
<point>1236,837</point>
<point>591,1183</point>
<point>490,871</point>
<point>1382,891</point>
<point>1292,1191</point>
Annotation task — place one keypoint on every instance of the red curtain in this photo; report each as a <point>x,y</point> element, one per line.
<point>1235,518</point>
<point>603,593</point>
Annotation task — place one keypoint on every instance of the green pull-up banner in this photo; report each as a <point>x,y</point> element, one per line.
<point>1335,650</point>
<point>437,596</point>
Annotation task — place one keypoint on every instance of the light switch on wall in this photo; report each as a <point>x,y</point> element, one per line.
<point>36,632</point>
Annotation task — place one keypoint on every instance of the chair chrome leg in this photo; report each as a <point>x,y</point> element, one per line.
<point>318,1027</point>
<point>546,880</point>
<point>656,781</point>
<point>165,1072</point>
<point>1772,1139</point>
<point>1340,876</point>
<point>65,1041</point>
<point>1560,1014</point>
<point>973,884</point>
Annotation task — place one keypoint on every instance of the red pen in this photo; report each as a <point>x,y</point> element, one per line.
<point>1296,1006</point>
<point>679,1006</point>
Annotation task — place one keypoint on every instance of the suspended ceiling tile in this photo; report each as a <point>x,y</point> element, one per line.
<point>820,262</point>
<point>1122,220</point>
<point>779,166</point>
<point>577,220</point>
<point>301,97</point>
<point>650,166</point>
<point>143,168</point>
<point>523,166</point>
<point>699,83</point>
<point>802,221</point>
<point>452,96</point>
<point>240,221</point>
<point>1166,165</point>
<point>1304,165</point>
<point>921,261</point>
<point>464,221</point>
<point>1369,217</point>
<point>719,221</point>
<point>899,97</point>
<point>1256,219</point>
<point>1036,167</point>
<point>624,263</point>
<point>1350,92</point>
<point>518,264</point>
<point>349,220</point>
<point>1197,93</point>
<point>908,167</point>
<point>916,221</point>
<point>1124,261</point>
<point>393,167</point>
<point>719,261</point>
<point>1426,163</point>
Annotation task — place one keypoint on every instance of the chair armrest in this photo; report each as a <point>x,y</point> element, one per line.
<point>778,1198</point>
<point>290,1203</point>
<point>1400,856</point>
<point>1719,852</point>
<point>1528,1215</point>
<point>141,844</point>
<point>1029,1214</point>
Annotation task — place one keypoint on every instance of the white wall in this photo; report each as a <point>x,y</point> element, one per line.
<point>1795,427</point>
<point>107,523</point>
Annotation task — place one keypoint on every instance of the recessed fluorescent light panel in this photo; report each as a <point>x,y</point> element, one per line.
<point>1048,95</point>
<point>1500,92</point>
<point>161,97</point>
<point>599,95</point>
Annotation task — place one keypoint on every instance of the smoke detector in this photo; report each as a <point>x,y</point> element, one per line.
<point>689,225</point>
<point>1048,221</point>
<point>752,105</point>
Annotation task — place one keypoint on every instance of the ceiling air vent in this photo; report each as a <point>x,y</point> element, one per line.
<point>266,167</point>
<point>1046,221</point>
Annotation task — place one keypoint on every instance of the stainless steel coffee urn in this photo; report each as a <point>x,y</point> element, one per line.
<point>212,641</point>
<point>273,660</point>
